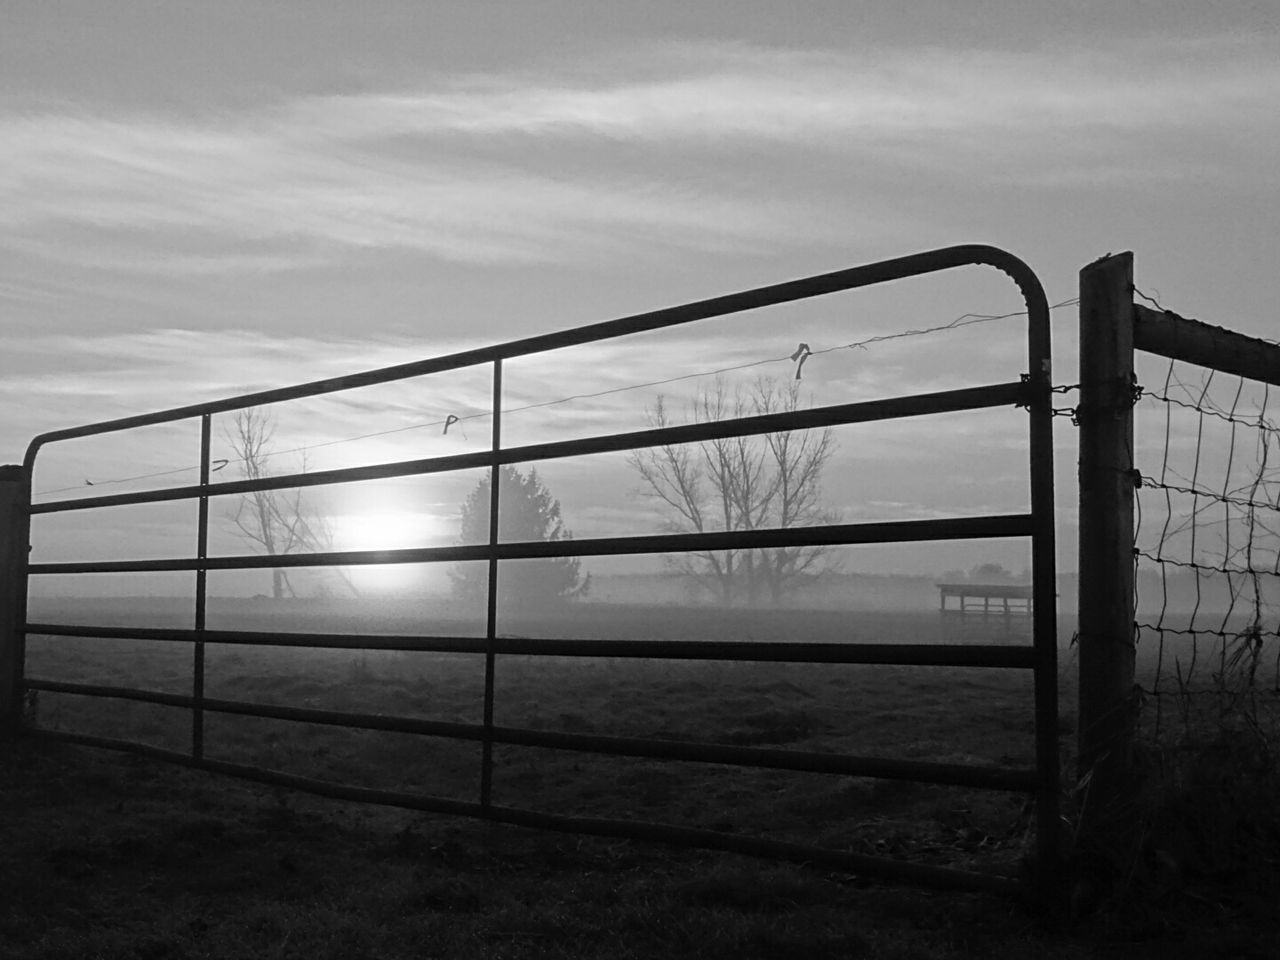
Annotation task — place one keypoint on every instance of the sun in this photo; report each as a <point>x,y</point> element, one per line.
<point>390,531</point>
<point>381,531</point>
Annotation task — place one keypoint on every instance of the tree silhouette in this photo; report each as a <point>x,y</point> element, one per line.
<point>275,521</point>
<point>991,572</point>
<point>527,512</point>
<point>742,483</point>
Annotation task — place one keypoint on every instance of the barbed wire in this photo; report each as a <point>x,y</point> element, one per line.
<point>1155,302</point>
<point>799,356</point>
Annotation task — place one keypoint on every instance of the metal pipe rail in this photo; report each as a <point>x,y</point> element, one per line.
<point>895,654</point>
<point>1031,392</point>
<point>949,401</point>
<point>917,264</point>
<point>952,774</point>
<point>893,531</point>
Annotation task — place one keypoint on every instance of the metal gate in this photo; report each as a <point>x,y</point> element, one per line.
<point>1031,391</point>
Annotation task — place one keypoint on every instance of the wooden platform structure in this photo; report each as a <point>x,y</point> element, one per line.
<point>1004,599</point>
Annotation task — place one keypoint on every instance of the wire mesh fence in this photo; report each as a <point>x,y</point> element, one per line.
<point>1178,630</point>
<point>1206,552</point>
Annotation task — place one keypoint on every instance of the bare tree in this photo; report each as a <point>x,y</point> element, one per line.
<point>742,483</point>
<point>277,521</point>
<point>797,459</point>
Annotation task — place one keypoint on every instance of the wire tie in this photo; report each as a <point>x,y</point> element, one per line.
<point>800,355</point>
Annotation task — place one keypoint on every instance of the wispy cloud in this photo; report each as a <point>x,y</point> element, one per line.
<point>714,90</point>
<point>147,185</point>
<point>444,168</point>
<point>852,102</point>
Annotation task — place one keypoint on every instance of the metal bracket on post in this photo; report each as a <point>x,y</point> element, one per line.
<point>15,525</point>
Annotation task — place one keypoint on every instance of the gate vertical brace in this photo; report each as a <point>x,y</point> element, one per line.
<point>1106,599</point>
<point>202,552</point>
<point>491,612</point>
<point>1044,583</point>
<point>15,537</point>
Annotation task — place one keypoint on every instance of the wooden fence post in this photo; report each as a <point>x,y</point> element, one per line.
<point>14,537</point>
<point>1107,707</point>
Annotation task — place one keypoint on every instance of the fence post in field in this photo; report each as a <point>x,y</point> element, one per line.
<point>1107,706</point>
<point>14,526</point>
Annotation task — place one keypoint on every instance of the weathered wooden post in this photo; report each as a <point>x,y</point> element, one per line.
<point>1107,706</point>
<point>14,537</point>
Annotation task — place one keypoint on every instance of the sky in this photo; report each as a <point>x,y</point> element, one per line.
<point>200,200</point>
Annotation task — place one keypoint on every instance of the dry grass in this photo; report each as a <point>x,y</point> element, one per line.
<point>111,856</point>
<point>978,716</point>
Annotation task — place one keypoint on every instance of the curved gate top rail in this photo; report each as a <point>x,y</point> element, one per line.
<point>863,276</point>
<point>1032,391</point>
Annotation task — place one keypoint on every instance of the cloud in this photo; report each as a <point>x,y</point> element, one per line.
<point>17,292</point>
<point>663,147</point>
<point>850,102</point>
<point>56,375</point>
<point>252,192</point>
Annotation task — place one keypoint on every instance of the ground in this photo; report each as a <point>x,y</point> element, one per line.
<point>113,856</point>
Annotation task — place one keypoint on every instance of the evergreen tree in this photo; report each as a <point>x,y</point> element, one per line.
<point>526,512</point>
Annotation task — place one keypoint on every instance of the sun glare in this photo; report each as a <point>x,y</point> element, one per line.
<point>391,531</point>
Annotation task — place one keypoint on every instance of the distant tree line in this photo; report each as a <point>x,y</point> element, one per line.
<point>988,572</point>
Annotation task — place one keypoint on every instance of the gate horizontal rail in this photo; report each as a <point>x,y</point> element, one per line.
<point>892,531</point>
<point>950,401</point>
<point>1032,392</point>
<point>952,774</point>
<point>760,651</point>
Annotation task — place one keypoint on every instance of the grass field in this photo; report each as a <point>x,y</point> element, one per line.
<point>979,716</point>
<point>126,857</point>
